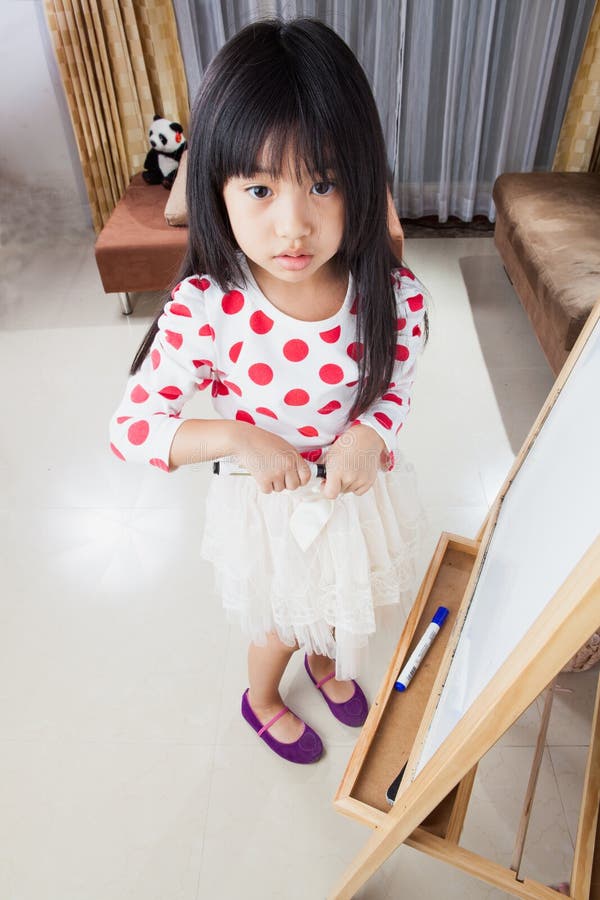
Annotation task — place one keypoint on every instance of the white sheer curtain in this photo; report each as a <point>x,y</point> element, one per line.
<point>466,89</point>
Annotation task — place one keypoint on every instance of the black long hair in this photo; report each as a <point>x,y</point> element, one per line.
<point>278,84</point>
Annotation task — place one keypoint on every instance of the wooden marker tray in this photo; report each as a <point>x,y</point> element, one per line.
<point>389,733</point>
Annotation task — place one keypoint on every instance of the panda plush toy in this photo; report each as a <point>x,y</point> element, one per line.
<point>162,161</point>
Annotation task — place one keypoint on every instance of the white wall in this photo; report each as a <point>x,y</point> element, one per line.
<point>38,151</point>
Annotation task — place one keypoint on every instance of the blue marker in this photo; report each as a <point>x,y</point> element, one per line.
<point>414,661</point>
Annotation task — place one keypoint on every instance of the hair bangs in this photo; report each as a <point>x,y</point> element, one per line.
<point>277,139</point>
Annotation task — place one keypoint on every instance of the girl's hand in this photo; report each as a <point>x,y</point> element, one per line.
<point>276,465</point>
<point>353,461</point>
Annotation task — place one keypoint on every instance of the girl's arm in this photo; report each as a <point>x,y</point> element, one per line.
<point>147,426</point>
<point>275,464</point>
<point>179,363</point>
<point>368,445</point>
<point>200,440</point>
<point>388,414</point>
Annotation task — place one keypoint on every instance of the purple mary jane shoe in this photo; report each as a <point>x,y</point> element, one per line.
<point>307,749</point>
<point>353,712</point>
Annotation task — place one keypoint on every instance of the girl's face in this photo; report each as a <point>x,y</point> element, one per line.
<point>289,229</point>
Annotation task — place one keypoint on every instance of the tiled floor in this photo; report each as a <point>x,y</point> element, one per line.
<point>126,770</point>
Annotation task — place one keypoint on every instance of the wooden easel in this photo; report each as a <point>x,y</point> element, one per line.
<point>431,805</point>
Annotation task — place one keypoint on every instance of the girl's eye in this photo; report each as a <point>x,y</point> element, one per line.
<point>323,188</point>
<point>259,192</point>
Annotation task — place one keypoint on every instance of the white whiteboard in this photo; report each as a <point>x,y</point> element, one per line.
<point>549,517</point>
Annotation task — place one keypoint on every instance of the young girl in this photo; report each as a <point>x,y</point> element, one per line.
<point>292,307</point>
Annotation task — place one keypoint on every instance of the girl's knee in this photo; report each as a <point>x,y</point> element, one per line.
<point>274,640</point>
<point>289,648</point>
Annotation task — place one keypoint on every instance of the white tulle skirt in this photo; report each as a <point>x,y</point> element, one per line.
<point>326,597</point>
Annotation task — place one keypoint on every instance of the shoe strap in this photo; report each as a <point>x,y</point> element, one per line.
<point>325,680</point>
<point>276,718</point>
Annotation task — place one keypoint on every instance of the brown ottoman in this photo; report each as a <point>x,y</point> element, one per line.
<point>136,250</point>
<point>548,234</point>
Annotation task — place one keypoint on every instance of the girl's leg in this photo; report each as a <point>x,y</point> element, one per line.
<point>266,666</point>
<point>338,691</point>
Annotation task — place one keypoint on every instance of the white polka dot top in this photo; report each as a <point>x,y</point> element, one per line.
<point>294,378</point>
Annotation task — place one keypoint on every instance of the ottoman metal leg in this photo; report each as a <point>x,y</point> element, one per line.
<point>125,302</point>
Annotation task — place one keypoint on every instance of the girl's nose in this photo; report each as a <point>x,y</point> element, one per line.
<point>292,219</point>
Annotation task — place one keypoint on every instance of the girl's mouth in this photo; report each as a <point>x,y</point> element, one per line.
<point>294,263</point>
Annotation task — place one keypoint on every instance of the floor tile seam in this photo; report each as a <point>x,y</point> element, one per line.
<point>209,795</point>
<point>90,507</point>
<point>560,746</point>
<point>492,367</point>
<point>560,797</point>
<point>222,688</point>
<point>63,740</point>
<point>197,895</point>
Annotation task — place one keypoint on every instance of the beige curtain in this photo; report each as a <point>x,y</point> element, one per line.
<point>579,133</point>
<point>120,63</point>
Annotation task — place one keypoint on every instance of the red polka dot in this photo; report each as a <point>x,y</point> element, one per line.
<point>138,394</point>
<point>296,397</point>
<point>331,336</point>
<point>117,452</point>
<point>311,455</point>
<point>160,464</point>
<point>402,352</point>
<point>242,416</point>
<point>122,419</point>
<point>232,302</point>
<point>174,338</point>
<point>329,407</point>
<point>265,411</point>
<point>206,331</point>
<point>260,323</point>
<point>295,350</point>
<point>178,309</point>
<point>308,431</point>
<point>354,306</point>
<point>170,392</point>
<point>356,422</point>
<point>355,351</point>
<point>202,284</point>
<point>331,374</point>
<point>260,373</point>
<point>234,351</point>
<point>415,303</point>
<point>401,324</point>
<point>155,359</point>
<point>202,385</point>
<point>219,389</point>
<point>392,384</point>
<point>203,362</point>
<point>174,291</point>
<point>406,273</point>
<point>351,383</point>
<point>394,398</point>
<point>383,419</point>
<point>138,432</point>
<point>233,387</point>
<point>416,331</point>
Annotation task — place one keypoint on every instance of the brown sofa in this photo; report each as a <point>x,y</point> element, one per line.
<point>136,250</point>
<point>548,235</point>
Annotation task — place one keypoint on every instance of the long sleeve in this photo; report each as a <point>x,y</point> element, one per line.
<point>387,415</point>
<point>179,362</point>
